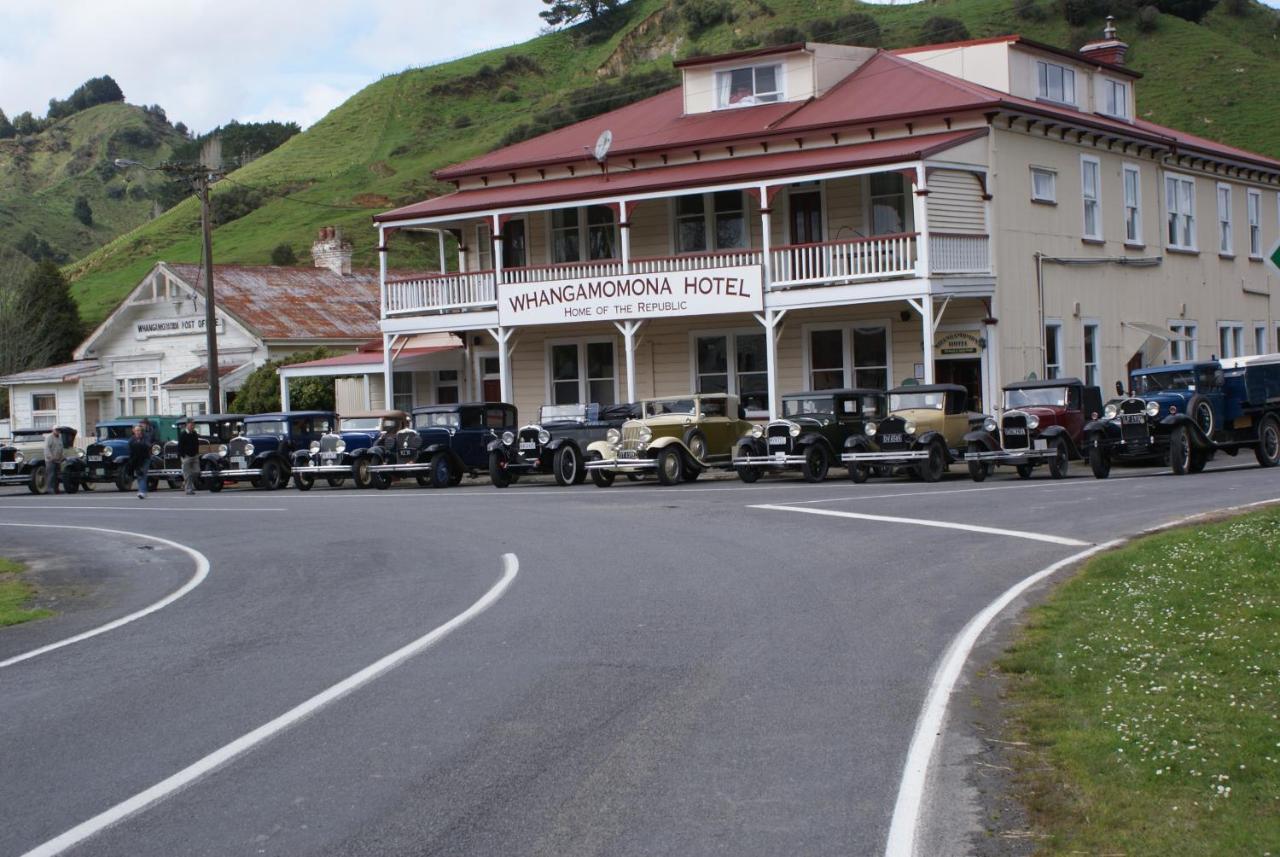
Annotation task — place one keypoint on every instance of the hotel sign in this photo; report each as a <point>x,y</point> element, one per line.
<point>957,344</point>
<point>173,326</point>
<point>661,294</point>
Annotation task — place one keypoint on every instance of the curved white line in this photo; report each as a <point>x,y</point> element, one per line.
<point>244,743</point>
<point>925,522</point>
<point>202,571</point>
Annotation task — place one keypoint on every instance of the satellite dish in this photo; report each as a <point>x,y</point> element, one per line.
<point>603,142</point>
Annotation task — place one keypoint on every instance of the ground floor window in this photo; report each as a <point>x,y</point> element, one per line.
<point>582,373</point>
<point>1230,340</point>
<point>1053,350</point>
<point>447,387</point>
<point>736,363</point>
<point>1091,368</point>
<point>194,409</point>
<point>1181,349</point>
<point>856,356</point>
<point>1259,338</point>
<point>137,396</point>
<point>44,410</point>
<point>402,391</point>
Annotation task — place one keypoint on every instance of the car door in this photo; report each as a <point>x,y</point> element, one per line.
<point>715,425</point>
<point>955,420</point>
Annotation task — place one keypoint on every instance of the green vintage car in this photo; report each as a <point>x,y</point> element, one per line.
<point>924,432</point>
<point>678,438</point>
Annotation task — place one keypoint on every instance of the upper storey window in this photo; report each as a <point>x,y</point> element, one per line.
<point>1115,98</point>
<point>1056,83</point>
<point>744,87</point>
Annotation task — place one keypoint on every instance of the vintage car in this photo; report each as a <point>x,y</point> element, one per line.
<point>262,454</point>
<point>215,432</point>
<point>22,460</point>
<point>106,459</point>
<point>816,428</point>
<point>1184,413</point>
<point>677,437</point>
<point>345,451</point>
<point>555,444</point>
<point>924,431</point>
<point>1043,423</point>
<point>444,443</point>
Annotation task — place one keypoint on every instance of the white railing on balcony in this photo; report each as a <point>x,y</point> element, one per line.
<point>563,271</point>
<point>697,261</point>
<point>441,292</point>
<point>959,253</point>
<point>851,259</point>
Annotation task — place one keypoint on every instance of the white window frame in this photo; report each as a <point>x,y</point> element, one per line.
<point>1253,207</point>
<point>437,385</point>
<point>484,247</point>
<point>1096,365</point>
<point>1068,74</point>
<point>1132,207</point>
<point>802,188</point>
<point>584,236</point>
<point>194,409</point>
<point>1235,340</point>
<point>584,379</point>
<point>779,78</point>
<point>125,394</point>
<point>709,223</point>
<point>1053,368</point>
<point>846,349</point>
<point>869,203</point>
<point>1226,223</point>
<point>44,417</point>
<point>1118,90</point>
<point>412,394</point>
<point>1052,175</point>
<point>1260,338</point>
<point>1181,216</point>
<point>1184,352</point>
<point>731,334</point>
<point>1091,196</point>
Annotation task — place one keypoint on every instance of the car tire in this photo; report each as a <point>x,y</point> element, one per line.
<point>670,466</point>
<point>859,473</point>
<point>360,474</point>
<point>1179,451</point>
<point>635,477</point>
<point>978,470</point>
<point>380,481</point>
<point>153,482</point>
<point>70,484</point>
<point>1201,411</point>
<point>273,475</point>
<point>1268,449</point>
<point>690,474</point>
<point>335,481</point>
<point>174,484</point>
<point>303,481</point>
<point>748,473</point>
<point>696,441</point>
<point>600,478</point>
<point>1025,470</point>
<point>566,465</point>
<point>932,468</point>
<point>498,474</point>
<point>1061,461</point>
<point>38,481</point>
<point>122,481</point>
<point>1099,461</point>
<point>816,463</point>
<point>441,470</point>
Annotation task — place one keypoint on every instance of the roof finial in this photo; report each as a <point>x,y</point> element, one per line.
<point>1109,31</point>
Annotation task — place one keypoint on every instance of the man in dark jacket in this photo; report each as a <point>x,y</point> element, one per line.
<point>140,459</point>
<point>189,451</point>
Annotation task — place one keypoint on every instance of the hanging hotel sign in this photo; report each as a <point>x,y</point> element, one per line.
<point>957,343</point>
<point>629,296</point>
<point>178,326</point>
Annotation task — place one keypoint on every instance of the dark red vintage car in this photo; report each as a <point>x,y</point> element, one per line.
<point>1042,423</point>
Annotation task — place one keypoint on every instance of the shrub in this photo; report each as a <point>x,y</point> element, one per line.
<point>1028,10</point>
<point>462,121</point>
<point>234,203</point>
<point>857,28</point>
<point>507,95</point>
<point>783,36</point>
<point>282,254</point>
<point>82,211</point>
<point>942,29</point>
<point>701,15</point>
<point>1148,19</point>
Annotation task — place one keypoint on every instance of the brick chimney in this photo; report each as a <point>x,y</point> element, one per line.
<point>331,251</point>
<point>1108,49</point>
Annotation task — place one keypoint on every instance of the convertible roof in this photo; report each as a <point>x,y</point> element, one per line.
<point>1043,382</point>
<point>931,388</point>
<point>841,391</point>
<point>444,409</point>
<point>284,415</point>
<point>1175,367</point>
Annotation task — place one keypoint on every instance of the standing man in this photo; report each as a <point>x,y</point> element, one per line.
<point>140,459</point>
<point>52,461</point>
<point>189,451</point>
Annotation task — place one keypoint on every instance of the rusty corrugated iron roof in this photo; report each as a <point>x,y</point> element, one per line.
<point>200,375</point>
<point>56,374</point>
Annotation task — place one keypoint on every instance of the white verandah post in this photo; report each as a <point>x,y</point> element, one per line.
<point>284,392</point>
<point>624,226</point>
<point>920,210</point>
<point>772,321</point>
<point>505,337</point>
<point>628,329</point>
<point>388,385</point>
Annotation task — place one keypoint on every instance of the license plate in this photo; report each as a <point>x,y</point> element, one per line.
<point>526,445</point>
<point>777,441</point>
<point>781,456</point>
<point>891,438</point>
<point>1040,443</point>
<point>237,461</point>
<point>9,465</point>
<point>101,471</point>
<point>328,456</point>
<point>95,458</point>
<point>1016,432</point>
<point>1133,419</point>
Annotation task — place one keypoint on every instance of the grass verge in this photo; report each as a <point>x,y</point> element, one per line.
<point>14,594</point>
<point>1148,692</point>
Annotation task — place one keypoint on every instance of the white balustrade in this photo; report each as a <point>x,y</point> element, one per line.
<point>697,261</point>
<point>443,292</point>
<point>853,259</point>
<point>957,253</point>
<point>566,271</point>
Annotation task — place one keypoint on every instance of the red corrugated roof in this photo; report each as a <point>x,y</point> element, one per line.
<point>200,375</point>
<point>1015,39</point>
<point>721,171</point>
<point>371,358</point>
<point>59,373</point>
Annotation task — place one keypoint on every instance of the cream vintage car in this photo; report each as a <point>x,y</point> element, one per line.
<point>678,438</point>
<point>925,430</point>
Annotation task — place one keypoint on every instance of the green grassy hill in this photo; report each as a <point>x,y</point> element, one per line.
<point>377,150</point>
<point>42,176</point>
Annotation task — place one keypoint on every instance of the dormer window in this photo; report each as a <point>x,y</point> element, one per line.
<point>744,87</point>
<point>1115,98</point>
<point>1056,83</point>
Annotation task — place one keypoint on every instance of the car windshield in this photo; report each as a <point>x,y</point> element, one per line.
<point>817,407</point>
<point>916,401</point>
<point>217,430</point>
<point>115,432</point>
<point>568,413</point>
<point>28,436</point>
<point>436,419</point>
<point>360,423</point>
<point>1154,382</point>
<point>669,406</point>
<point>266,427</point>
<point>1048,396</point>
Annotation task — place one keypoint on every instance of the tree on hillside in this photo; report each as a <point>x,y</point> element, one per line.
<point>24,123</point>
<point>260,393</point>
<point>242,142</point>
<point>283,255</point>
<point>6,127</point>
<point>940,29</point>
<point>33,322</point>
<point>98,90</point>
<point>562,13</point>
<point>82,211</point>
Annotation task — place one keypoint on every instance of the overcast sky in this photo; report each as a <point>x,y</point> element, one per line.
<point>207,62</point>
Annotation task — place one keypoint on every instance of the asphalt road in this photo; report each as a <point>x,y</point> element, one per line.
<point>671,671</point>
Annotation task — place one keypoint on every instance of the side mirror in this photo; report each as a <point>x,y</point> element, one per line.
<point>1119,388</point>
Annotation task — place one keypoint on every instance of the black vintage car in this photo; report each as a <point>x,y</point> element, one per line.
<point>263,453</point>
<point>816,429</point>
<point>556,443</point>
<point>215,432</point>
<point>444,443</point>
<point>345,451</point>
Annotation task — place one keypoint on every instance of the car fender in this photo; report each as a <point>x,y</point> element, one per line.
<point>495,445</point>
<point>1104,429</point>
<point>603,447</point>
<point>301,458</point>
<point>928,438</point>
<point>983,439</point>
<point>666,442</point>
<point>1052,433</point>
<point>750,446</point>
<point>809,438</point>
<point>212,459</point>
<point>1198,437</point>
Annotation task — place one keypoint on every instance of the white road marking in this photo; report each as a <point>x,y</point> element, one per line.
<point>202,571</point>
<point>146,507</point>
<point>243,744</point>
<point>906,810</point>
<point>923,522</point>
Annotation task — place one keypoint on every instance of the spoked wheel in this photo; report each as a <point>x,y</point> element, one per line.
<point>1024,470</point>
<point>1061,460</point>
<point>360,474</point>
<point>978,470</point>
<point>440,470</point>
<point>934,466</point>
<point>39,480</point>
<point>697,443</point>
<point>273,475</point>
<point>859,473</point>
<point>600,478</point>
<point>670,466</point>
<point>498,474</point>
<point>816,463</point>
<point>1099,461</point>
<point>303,481</point>
<point>566,465</point>
<point>335,481</point>
<point>122,481</point>
<point>746,472</point>
<point>1180,453</point>
<point>1268,449</point>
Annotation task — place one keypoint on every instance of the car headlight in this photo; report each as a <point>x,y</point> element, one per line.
<point>107,452</point>
<point>544,437</point>
<point>1153,409</point>
<point>340,446</point>
<point>989,424</point>
<point>613,435</point>
<point>1110,412</point>
<point>222,450</point>
<point>646,434</point>
<point>757,431</point>
<point>18,457</point>
<point>870,429</point>
<point>793,430</point>
<point>909,427</point>
<point>248,449</point>
<point>155,449</point>
<point>508,438</point>
<point>315,446</point>
<point>1033,422</point>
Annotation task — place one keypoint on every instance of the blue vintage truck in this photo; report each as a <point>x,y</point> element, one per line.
<point>1185,413</point>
